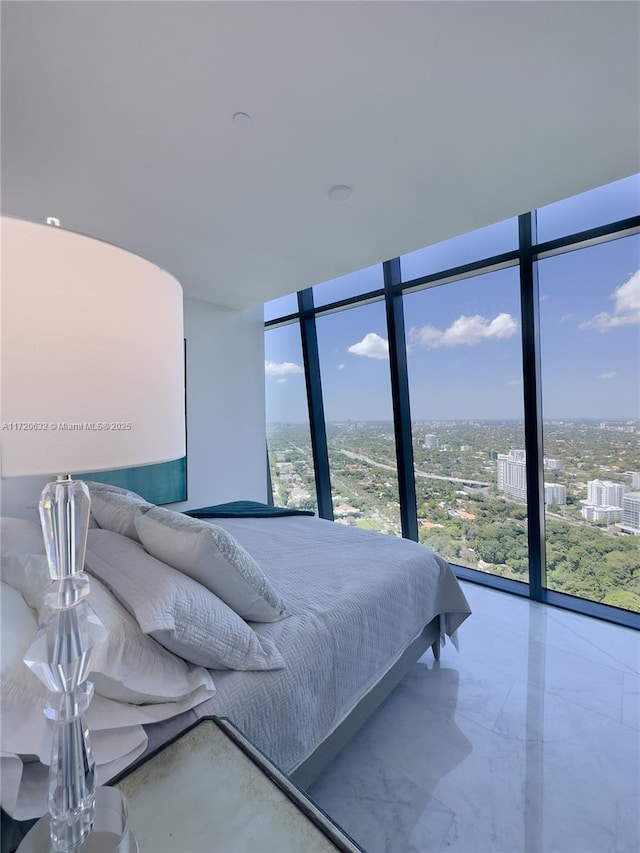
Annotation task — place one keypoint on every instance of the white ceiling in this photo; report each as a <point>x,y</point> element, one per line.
<point>442,116</point>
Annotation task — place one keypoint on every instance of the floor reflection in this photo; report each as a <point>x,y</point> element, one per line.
<point>375,788</point>
<point>527,740</point>
<point>534,724</point>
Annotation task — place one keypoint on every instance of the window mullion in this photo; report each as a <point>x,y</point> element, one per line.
<point>400,398</point>
<point>313,382</point>
<point>529,306</point>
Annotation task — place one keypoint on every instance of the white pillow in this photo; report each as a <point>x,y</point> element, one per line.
<point>117,512</point>
<point>116,729</point>
<point>177,611</point>
<point>19,625</point>
<point>105,487</point>
<point>20,536</point>
<point>23,695</point>
<point>29,574</point>
<point>211,556</point>
<point>128,666</point>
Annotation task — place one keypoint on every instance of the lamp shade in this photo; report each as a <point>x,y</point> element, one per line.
<point>92,355</point>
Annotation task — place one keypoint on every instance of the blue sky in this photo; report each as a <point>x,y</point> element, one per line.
<point>464,350</point>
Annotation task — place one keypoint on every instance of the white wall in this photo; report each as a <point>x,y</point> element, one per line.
<point>226,442</point>
<point>226,450</point>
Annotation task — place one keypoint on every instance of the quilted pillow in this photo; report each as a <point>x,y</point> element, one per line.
<point>211,556</point>
<point>108,487</point>
<point>181,614</point>
<point>95,487</point>
<point>116,511</point>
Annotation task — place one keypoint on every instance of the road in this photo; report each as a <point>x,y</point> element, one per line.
<point>369,461</point>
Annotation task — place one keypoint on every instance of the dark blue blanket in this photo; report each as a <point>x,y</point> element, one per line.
<point>244,509</point>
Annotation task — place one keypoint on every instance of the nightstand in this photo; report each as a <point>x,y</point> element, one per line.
<point>211,790</point>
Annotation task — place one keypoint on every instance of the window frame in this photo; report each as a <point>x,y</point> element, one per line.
<point>525,257</point>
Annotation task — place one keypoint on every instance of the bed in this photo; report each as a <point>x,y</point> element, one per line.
<point>361,608</point>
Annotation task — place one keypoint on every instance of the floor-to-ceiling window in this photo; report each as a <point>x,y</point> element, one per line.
<point>589,313</point>
<point>597,207</point>
<point>520,351</point>
<point>288,436</point>
<point>348,286</point>
<point>356,388</point>
<point>464,249</point>
<point>465,384</point>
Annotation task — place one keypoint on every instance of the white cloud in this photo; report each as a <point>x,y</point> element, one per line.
<point>514,382</point>
<point>341,366</point>
<point>626,307</point>
<point>428,336</point>
<point>371,346</point>
<point>466,330</point>
<point>544,297</point>
<point>607,375</point>
<point>281,381</point>
<point>282,368</point>
<point>566,317</point>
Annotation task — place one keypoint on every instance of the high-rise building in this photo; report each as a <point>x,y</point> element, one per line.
<point>431,442</point>
<point>635,479</point>
<point>512,474</point>
<point>631,514</point>
<point>601,513</point>
<point>605,493</point>
<point>553,464</point>
<point>555,493</point>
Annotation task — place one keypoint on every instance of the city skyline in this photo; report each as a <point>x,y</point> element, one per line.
<point>471,498</point>
<point>612,423</point>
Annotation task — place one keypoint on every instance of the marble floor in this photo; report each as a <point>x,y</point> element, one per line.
<point>527,739</point>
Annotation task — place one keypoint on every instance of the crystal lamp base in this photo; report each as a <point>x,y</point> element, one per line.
<point>110,833</point>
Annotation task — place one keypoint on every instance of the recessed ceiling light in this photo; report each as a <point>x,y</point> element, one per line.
<point>242,120</point>
<point>341,192</point>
